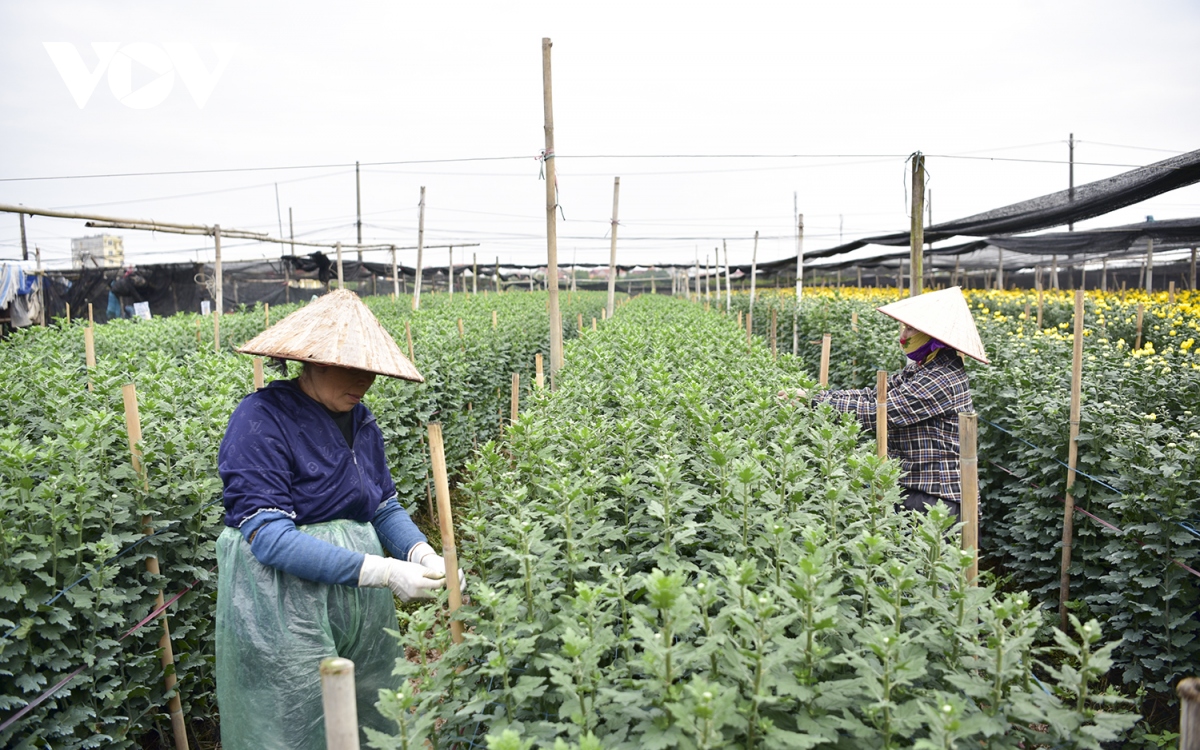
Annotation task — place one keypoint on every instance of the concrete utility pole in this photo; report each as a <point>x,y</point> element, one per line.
<point>556,341</point>
<point>24,247</point>
<point>917,234</point>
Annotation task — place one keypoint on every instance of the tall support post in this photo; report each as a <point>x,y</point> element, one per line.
<point>395,275</point>
<point>41,292</point>
<point>1070,176</point>
<point>341,273</point>
<point>823,373</point>
<point>697,276</point>
<point>133,427</point>
<point>450,273</point>
<point>1141,313</point>
<point>917,235</point>
<point>24,246</point>
<point>881,422</point>
<point>1064,583</point>
<point>497,279</point>
<point>728,280</point>
<point>1104,274</point>
<point>800,277</point>
<point>968,461</point>
<point>1000,269</point>
<point>416,300</point>
<point>1193,270</point>
<point>287,269</point>
<point>1054,271</point>
<point>358,208</point>
<point>474,273</point>
<point>707,281</point>
<point>1149,266</point>
<point>1188,691</point>
<point>717,268</point>
<point>556,340</point>
<point>219,292</point>
<point>612,249</point>
<point>753,280</point>
<point>339,702</point>
<point>441,486</point>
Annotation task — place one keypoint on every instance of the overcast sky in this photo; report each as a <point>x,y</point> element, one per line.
<point>853,87</point>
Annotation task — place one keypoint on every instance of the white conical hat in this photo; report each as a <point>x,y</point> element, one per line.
<point>336,329</point>
<point>945,316</point>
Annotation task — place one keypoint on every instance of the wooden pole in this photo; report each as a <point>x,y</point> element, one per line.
<point>539,375</point>
<point>580,322</point>
<point>1104,274</point>
<point>89,347</point>
<point>133,427</point>
<point>395,275</point>
<point>728,282</point>
<point>968,461</point>
<point>69,304</point>
<point>474,273</point>
<point>497,279</point>
<point>1188,691</point>
<point>1149,266</point>
<point>217,331</point>
<point>556,342</point>
<point>697,276</point>
<point>881,436</point>
<point>917,235</point>
<point>341,274</point>
<point>753,279</point>
<point>1064,584</point>
<point>219,295</point>
<point>593,322</point>
<point>339,701</point>
<point>826,341</point>
<point>1000,269</point>
<point>258,373</point>
<point>800,281</point>
<point>446,522</point>
<point>493,320</point>
<point>416,300</point>
<point>1041,294</point>
<point>854,320</point>
<point>516,397</point>
<point>408,335</point>
<point>91,319</point>
<point>450,274</point>
<point>24,245</point>
<point>774,333</point>
<point>1193,270</point>
<point>1141,312</point>
<point>1170,298</point>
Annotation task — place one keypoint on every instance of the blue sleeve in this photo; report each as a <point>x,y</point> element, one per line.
<point>276,542</point>
<point>395,529</point>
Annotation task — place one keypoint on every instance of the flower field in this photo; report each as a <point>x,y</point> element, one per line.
<point>71,505</point>
<point>1135,557</point>
<point>660,553</point>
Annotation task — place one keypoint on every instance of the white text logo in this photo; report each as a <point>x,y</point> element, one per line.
<point>161,62</point>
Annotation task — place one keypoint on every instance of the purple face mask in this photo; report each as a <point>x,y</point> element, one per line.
<point>923,351</point>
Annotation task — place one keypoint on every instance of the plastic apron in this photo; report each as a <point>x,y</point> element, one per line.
<point>273,630</point>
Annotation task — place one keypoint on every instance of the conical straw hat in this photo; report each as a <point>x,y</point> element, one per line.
<point>945,316</point>
<point>337,329</point>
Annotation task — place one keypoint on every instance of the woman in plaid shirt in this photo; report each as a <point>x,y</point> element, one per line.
<point>925,398</point>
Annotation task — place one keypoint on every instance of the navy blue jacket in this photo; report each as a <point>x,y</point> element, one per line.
<point>285,463</point>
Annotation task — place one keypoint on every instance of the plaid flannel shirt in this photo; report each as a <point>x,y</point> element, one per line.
<point>923,404</point>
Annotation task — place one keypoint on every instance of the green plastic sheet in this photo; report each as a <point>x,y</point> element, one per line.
<point>273,630</point>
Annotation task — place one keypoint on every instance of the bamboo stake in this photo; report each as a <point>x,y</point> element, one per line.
<point>1170,299</point>
<point>753,279</point>
<point>580,321</point>
<point>1064,586</point>
<point>774,333</point>
<point>446,522</point>
<point>408,335</point>
<point>133,427</point>
<point>968,461</point>
<point>474,273</point>
<point>341,274</point>
<point>1027,313</point>
<point>556,341</point>
<point>1188,691</point>
<point>91,320</point>
<point>826,341</point>
<point>89,348</point>
<point>854,320</point>
<point>416,300</point>
<point>728,285</point>
<point>340,704</point>
<point>539,375</point>
<point>1141,311</point>
<point>395,275</point>
<point>258,373</point>
<point>217,331</point>
<point>493,320</point>
<point>799,279</point>
<point>881,436</point>
<point>1039,318</point>
<point>612,250</point>
<point>69,304</point>
<point>516,397</point>
<point>593,322</point>
<point>266,315</point>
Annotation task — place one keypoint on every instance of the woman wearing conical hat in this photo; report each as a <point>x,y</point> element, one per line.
<point>925,398</point>
<point>315,543</point>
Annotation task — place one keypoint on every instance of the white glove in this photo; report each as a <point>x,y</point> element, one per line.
<point>424,555</point>
<point>406,580</point>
